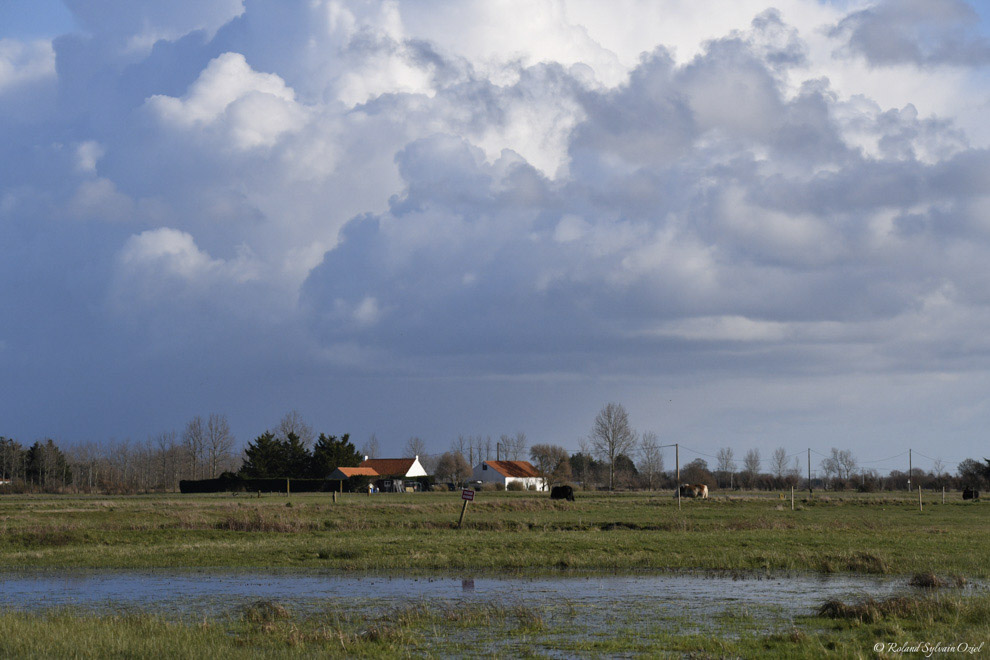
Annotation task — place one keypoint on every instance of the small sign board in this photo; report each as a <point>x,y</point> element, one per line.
<point>467,494</point>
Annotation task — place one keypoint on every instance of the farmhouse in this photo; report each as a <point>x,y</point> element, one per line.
<point>396,475</point>
<point>506,472</point>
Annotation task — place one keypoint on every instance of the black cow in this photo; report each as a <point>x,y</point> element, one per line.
<point>562,493</point>
<point>971,494</point>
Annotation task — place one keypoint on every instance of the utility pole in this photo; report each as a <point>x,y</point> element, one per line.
<point>809,470</point>
<point>909,470</point>
<point>677,462</point>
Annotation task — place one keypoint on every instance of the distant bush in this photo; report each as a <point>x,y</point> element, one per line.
<point>516,486</point>
<point>490,486</point>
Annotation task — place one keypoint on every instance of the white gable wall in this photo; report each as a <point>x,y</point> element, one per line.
<point>416,469</point>
<point>487,474</point>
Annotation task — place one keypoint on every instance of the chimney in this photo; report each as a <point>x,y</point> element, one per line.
<point>365,458</point>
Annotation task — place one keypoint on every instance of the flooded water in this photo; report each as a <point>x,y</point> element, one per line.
<point>202,592</point>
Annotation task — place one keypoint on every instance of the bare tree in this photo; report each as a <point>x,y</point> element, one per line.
<point>219,442</point>
<point>453,467</point>
<point>611,435</point>
<point>650,457</point>
<point>480,448</point>
<point>168,460</point>
<point>778,462</point>
<point>839,464</point>
<point>370,447</point>
<point>726,463</point>
<point>551,462</point>
<point>293,423</point>
<point>751,466</point>
<point>847,464</point>
<point>513,446</point>
<point>415,447</point>
<point>194,442</point>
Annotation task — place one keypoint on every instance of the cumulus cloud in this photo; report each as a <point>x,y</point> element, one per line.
<point>24,62</point>
<point>255,108</point>
<point>504,189</point>
<point>695,209</point>
<point>922,32</point>
<point>143,22</point>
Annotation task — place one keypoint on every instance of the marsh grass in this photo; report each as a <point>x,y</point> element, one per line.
<point>422,628</point>
<point>502,531</point>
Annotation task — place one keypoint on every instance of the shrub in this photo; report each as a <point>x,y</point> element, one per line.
<point>516,486</point>
<point>490,486</point>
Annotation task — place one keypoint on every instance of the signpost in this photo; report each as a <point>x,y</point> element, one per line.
<point>468,496</point>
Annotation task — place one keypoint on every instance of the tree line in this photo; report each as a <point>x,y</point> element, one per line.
<point>612,456</point>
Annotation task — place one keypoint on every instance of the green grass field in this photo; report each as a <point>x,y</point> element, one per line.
<point>878,534</point>
<point>503,533</point>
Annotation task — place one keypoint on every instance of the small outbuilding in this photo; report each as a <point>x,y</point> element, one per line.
<point>507,472</point>
<point>343,474</point>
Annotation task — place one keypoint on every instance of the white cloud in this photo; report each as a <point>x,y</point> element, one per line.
<point>255,108</point>
<point>169,251</point>
<point>88,153</point>
<point>24,62</point>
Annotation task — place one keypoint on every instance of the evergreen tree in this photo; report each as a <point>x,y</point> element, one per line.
<point>296,458</point>
<point>46,465</point>
<point>330,453</point>
<point>263,458</point>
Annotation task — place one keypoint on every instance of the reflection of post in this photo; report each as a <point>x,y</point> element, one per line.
<point>463,509</point>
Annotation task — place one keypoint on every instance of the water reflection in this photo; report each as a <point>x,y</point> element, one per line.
<point>197,589</point>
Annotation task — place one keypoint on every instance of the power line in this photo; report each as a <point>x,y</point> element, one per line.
<point>882,460</point>
<point>700,453</point>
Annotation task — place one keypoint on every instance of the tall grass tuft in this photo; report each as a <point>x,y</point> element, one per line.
<point>265,611</point>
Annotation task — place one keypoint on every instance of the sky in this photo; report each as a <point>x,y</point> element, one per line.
<point>752,224</point>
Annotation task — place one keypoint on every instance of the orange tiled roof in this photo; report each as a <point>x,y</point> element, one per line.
<point>513,468</point>
<point>356,472</point>
<point>389,467</point>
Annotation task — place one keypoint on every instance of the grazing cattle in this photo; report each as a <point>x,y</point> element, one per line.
<point>971,494</point>
<point>562,493</point>
<point>694,490</point>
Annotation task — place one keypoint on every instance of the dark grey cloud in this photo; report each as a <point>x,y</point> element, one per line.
<point>922,32</point>
<point>310,204</point>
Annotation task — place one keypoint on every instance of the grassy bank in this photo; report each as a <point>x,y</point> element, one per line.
<point>880,534</point>
<point>428,629</point>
